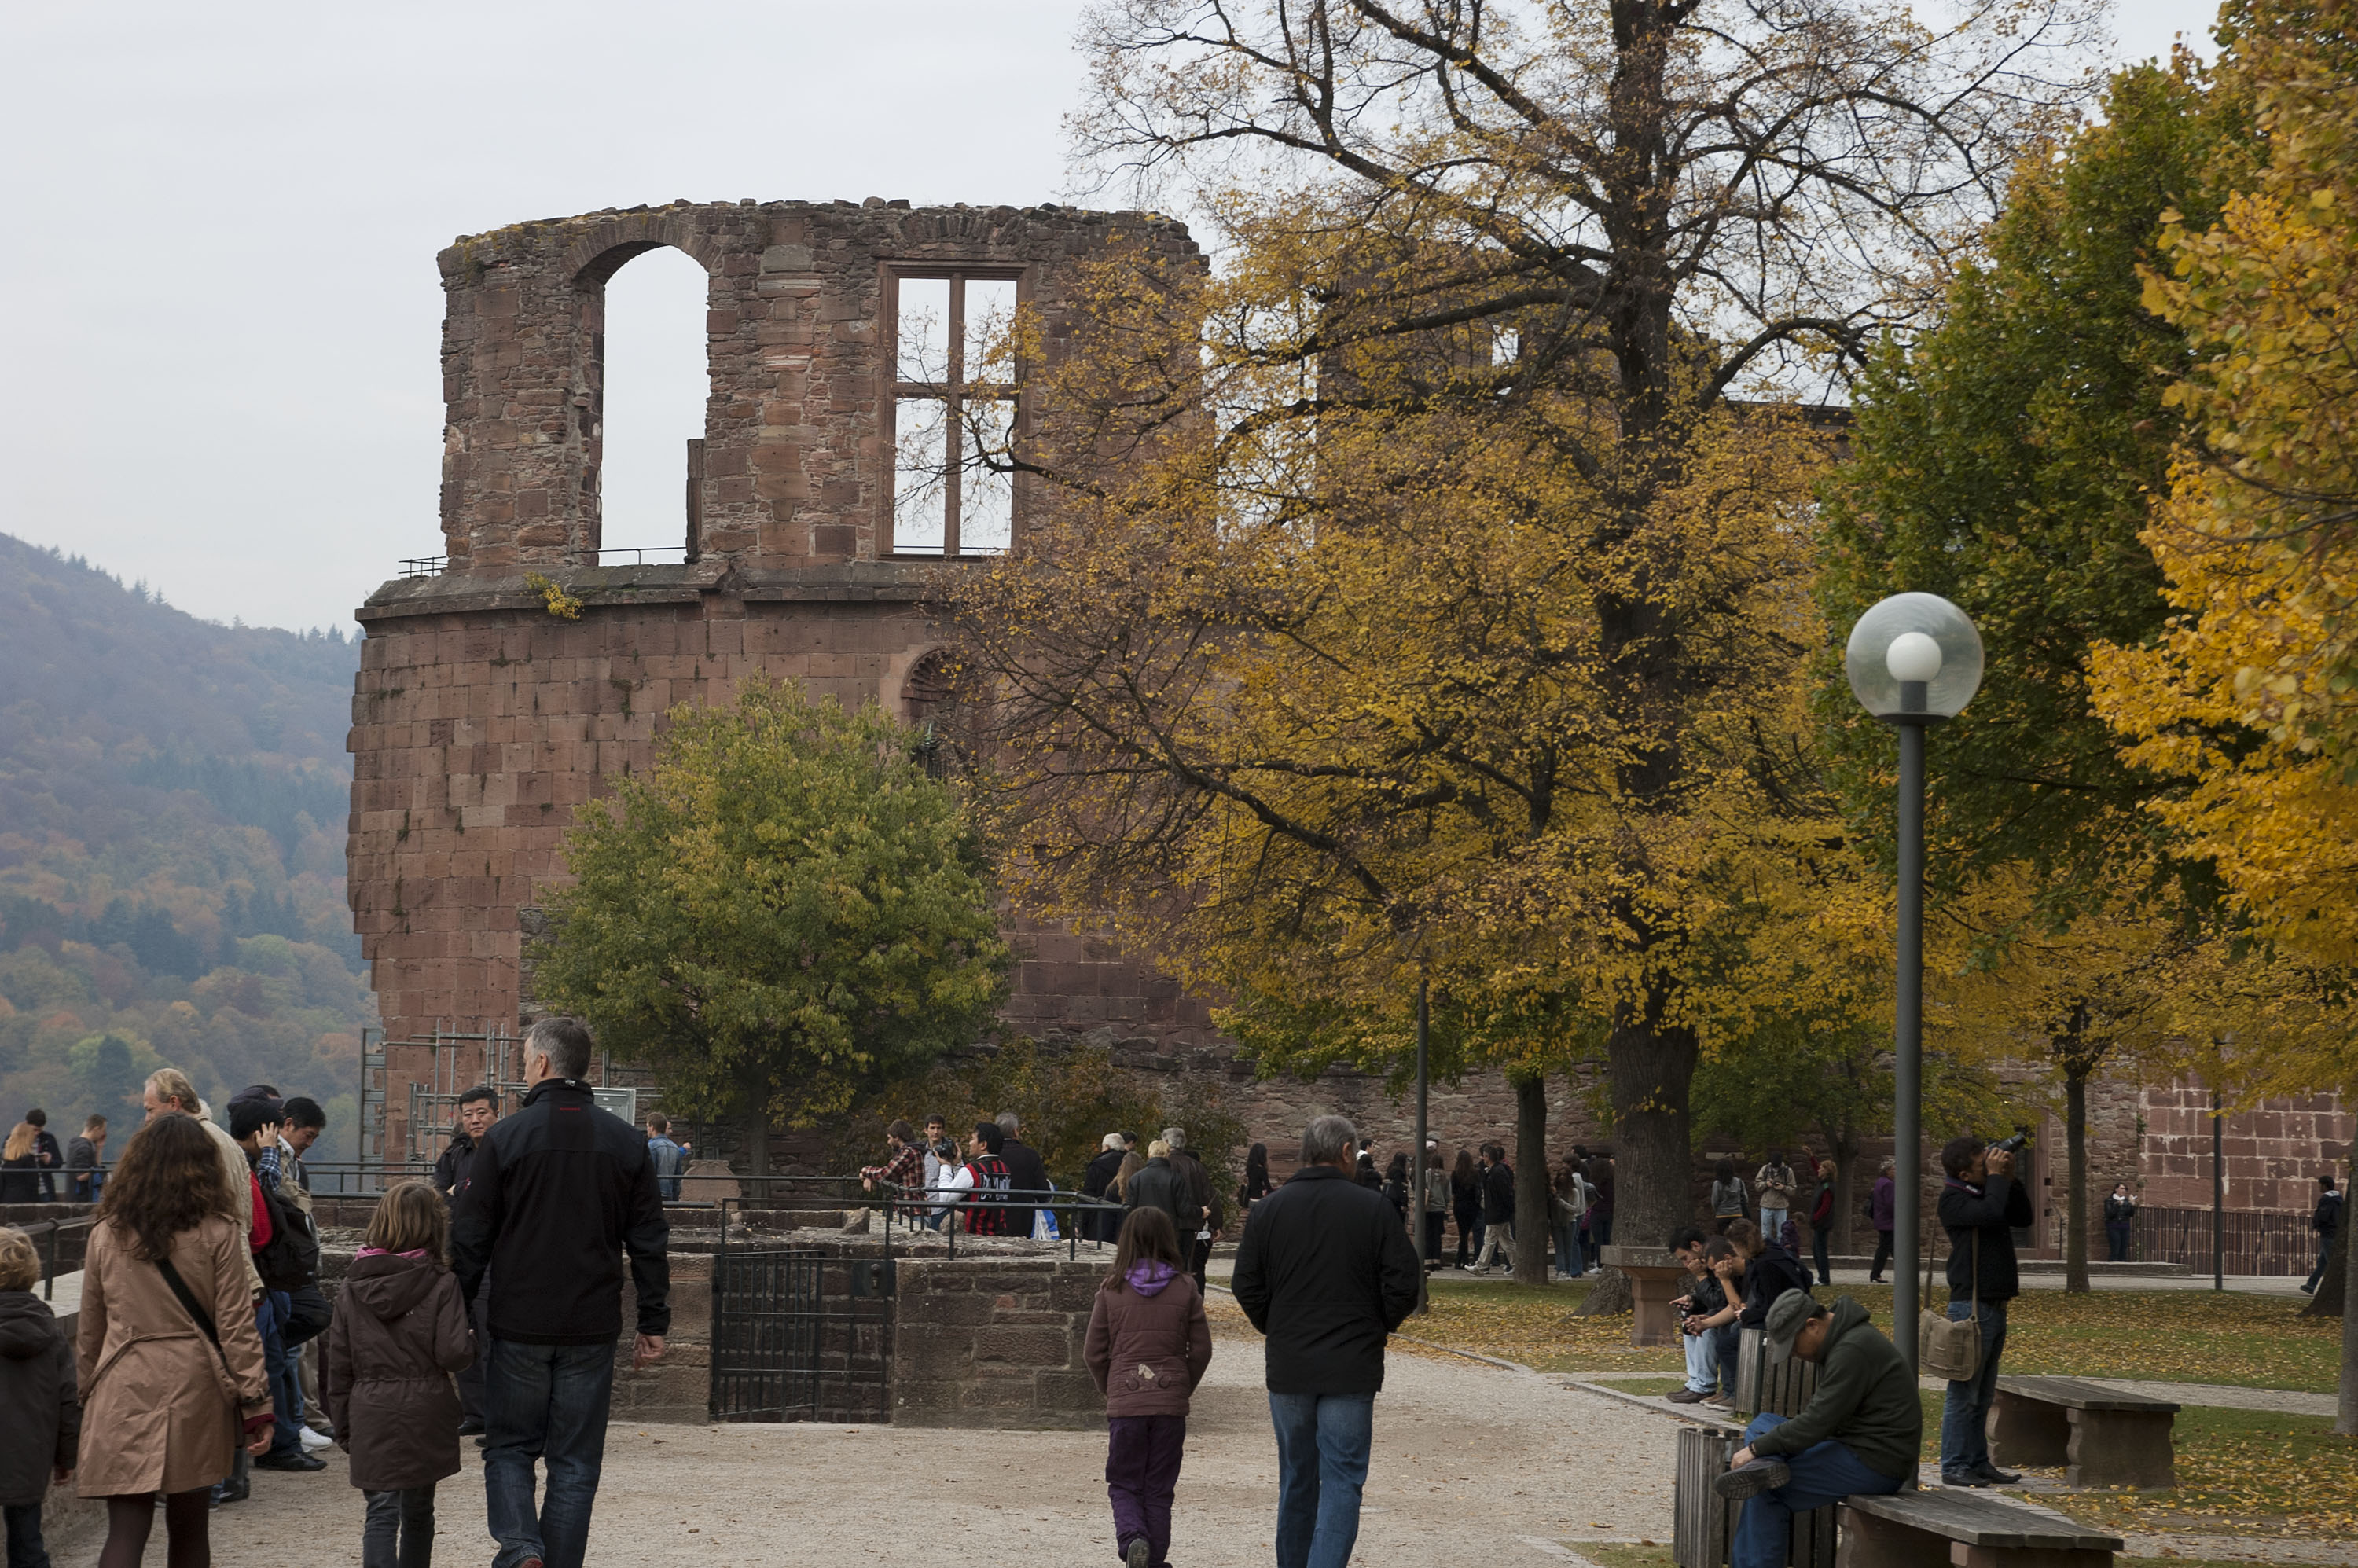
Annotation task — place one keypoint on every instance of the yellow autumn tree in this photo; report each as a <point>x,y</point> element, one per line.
<point>2250,700</point>
<point>1422,594</point>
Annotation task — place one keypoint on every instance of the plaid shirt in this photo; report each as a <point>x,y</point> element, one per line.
<point>901,1170</point>
<point>268,1168</point>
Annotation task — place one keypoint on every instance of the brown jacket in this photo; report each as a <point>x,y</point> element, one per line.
<point>400,1330</point>
<point>160,1411</point>
<point>1148,1352</point>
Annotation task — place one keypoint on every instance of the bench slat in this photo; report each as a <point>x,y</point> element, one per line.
<point>1978,1521</point>
<point>2074,1393</point>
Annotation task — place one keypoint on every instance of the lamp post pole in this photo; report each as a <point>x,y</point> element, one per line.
<point>1416,1164</point>
<point>1914,660</point>
<point>1908,1045</point>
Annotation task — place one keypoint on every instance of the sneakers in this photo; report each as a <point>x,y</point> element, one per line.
<point>1686,1397</point>
<point>1138,1553</point>
<point>315,1441</point>
<point>1720,1402</point>
<point>1752,1480</point>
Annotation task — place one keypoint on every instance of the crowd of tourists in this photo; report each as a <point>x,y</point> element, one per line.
<point>206,1348</point>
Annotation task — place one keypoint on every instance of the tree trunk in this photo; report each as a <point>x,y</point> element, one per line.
<point>1531,1226</point>
<point>2345,1415</point>
<point>757,1152</point>
<point>2075,1159</point>
<point>1652,1069</point>
<point>1845,1237</point>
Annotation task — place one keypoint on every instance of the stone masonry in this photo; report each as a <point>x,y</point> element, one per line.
<point>995,1341</point>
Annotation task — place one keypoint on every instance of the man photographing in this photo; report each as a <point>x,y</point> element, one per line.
<point>1857,1436</point>
<point>1981,1205</point>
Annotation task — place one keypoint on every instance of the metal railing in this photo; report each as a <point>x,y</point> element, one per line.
<point>44,1234</point>
<point>666,555</point>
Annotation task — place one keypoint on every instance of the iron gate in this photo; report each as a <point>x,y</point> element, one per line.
<point>800,1336</point>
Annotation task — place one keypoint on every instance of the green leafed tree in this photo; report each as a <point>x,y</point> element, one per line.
<point>785,908</point>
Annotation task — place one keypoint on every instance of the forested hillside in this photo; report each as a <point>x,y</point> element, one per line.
<point>172,800</point>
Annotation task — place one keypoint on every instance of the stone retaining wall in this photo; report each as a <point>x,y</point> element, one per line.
<point>994,1341</point>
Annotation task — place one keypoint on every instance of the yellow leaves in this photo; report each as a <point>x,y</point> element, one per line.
<point>561,604</point>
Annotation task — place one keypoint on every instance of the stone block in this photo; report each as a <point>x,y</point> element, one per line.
<point>1029,1347</point>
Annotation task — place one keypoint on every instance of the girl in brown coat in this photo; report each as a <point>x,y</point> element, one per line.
<point>400,1331</point>
<point>1148,1346</point>
<point>169,1388</point>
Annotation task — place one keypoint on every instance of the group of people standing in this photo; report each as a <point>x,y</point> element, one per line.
<point>1777,1192</point>
<point>31,1163</point>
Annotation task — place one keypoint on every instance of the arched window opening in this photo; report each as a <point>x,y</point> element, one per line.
<point>655,380</point>
<point>936,699</point>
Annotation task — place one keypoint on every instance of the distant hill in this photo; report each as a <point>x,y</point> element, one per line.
<point>172,803</point>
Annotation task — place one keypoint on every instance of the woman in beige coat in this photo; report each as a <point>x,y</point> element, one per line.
<point>167,1393</point>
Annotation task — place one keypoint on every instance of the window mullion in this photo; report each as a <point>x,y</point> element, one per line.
<point>953,456</point>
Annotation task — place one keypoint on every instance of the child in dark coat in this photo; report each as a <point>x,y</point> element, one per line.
<point>1148,1346</point>
<point>400,1330</point>
<point>40,1412</point>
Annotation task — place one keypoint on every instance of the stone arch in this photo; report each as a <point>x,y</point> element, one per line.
<point>935,695</point>
<point>590,265</point>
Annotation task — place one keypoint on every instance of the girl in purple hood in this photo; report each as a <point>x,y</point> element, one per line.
<point>1148,1346</point>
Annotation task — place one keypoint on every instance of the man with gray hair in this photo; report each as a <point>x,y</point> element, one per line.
<point>557,1194</point>
<point>1325,1273</point>
<point>1026,1172</point>
<point>1195,1219</point>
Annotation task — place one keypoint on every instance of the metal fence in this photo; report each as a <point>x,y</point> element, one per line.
<point>2253,1243</point>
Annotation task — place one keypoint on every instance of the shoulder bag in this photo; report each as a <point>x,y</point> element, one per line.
<point>1951,1347</point>
<point>205,1324</point>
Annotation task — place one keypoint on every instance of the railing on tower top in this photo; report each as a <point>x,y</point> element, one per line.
<point>641,554</point>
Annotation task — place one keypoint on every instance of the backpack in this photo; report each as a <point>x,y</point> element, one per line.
<point>291,1261</point>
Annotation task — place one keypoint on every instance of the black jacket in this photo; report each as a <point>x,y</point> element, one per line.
<point>2119,1210</point>
<point>451,1166</point>
<point>1096,1183</point>
<point>555,1195</point>
<point>37,1389</point>
<point>82,1156</point>
<point>1325,1272</point>
<point>1160,1184</point>
<point>2327,1214</point>
<point>1499,1195</point>
<point>1989,1213</point>
<point>1026,1172</point>
<point>1199,1192</point>
<point>1765,1278</point>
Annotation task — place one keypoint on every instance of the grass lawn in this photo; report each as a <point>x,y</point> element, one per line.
<point>2241,1472</point>
<point>2193,1337</point>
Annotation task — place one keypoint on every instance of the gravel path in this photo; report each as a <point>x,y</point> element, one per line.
<point>1473,1466</point>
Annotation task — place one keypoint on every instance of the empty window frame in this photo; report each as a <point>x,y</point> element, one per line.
<point>950,411</point>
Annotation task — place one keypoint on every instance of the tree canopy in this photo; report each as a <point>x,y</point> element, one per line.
<point>784,908</point>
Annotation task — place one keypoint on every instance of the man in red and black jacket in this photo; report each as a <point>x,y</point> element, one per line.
<point>985,1172</point>
<point>557,1194</point>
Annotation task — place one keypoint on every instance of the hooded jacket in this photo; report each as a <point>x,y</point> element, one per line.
<point>38,1390</point>
<point>400,1331</point>
<point>1149,1341</point>
<point>1865,1400</point>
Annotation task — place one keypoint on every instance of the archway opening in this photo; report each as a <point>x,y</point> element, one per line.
<point>655,381</point>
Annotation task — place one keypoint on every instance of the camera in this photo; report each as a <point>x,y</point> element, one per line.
<point>2013,1143</point>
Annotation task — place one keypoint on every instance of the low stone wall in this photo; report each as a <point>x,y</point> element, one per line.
<point>994,1341</point>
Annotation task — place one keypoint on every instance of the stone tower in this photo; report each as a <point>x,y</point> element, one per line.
<point>838,336</point>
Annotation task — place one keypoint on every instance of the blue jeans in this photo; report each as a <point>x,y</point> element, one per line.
<point>1568,1261</point>
<point>1824,1473</point>
<point>544,1401</point>
<point>280,1370</point>
<point>26,1548</point>
<point>1703,1361</point>
<point>1964,1420</point>
<point>1322,1463</point>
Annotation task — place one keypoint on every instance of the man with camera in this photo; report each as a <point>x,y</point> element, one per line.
<point>1981,1205</point>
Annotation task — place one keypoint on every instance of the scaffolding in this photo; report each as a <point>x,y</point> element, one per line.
<point>455,1059</point>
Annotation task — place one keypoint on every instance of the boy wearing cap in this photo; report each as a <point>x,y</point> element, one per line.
<point>1859,1433</point>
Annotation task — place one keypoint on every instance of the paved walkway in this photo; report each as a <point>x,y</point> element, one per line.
<point>1471,1466</point>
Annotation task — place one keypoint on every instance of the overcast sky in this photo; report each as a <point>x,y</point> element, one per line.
<point>219,369</point>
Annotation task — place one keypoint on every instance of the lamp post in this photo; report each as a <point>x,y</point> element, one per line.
<point>1914,660</point>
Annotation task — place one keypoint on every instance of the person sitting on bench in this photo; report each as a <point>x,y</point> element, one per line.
<point>1860,1432</point>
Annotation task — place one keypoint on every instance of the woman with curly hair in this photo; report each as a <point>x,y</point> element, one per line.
<point>170,1361</point>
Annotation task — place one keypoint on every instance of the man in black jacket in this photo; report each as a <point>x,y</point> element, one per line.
<point>1981,1205</point>
<point>1325,1272</point>
<point>556,1194</point>
<point>2327,1219</point>
<point>1498,1209</point>
<point>478,1108</point>
<point>1195,1224</point>
<point>1158,1184</point>
<point>1026,1172</point>
<point>1096,1182</point>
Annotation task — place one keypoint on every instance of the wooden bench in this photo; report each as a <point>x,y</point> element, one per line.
<point>1965,1530</point>
<point>2102,1437</point>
